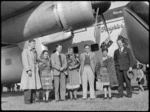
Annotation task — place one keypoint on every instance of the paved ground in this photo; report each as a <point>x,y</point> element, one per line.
<point>139,102</point>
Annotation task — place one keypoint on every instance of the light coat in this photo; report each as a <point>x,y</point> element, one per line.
<point>34,81</point>
<point>56,63</point>
<point>92,62</point>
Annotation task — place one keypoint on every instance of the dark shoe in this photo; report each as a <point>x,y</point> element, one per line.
<point>120,96</point>
<point>110,98</point>
<point>75,98</point>
<point>104,98</point>
<point>46,101</point>
<point>62,100</point>
<point>56,100</point>
<point>129,96</point>
<point>37,101</point>
<point>92,98</point>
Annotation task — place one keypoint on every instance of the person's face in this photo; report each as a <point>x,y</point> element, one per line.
<point>105,53</point>
<point>120,43</point>
<point>59,48</point>
<point>87,49</point>
<point>45,55</point>
<point>32,44</point>
<point>70,51</point>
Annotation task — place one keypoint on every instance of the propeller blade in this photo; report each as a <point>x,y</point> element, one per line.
<point>97,38</point>
<point>104,21</point>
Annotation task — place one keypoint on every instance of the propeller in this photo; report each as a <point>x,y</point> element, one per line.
<point>97,32</point>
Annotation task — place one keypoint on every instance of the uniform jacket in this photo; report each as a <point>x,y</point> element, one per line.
<point>124,60</point>
<point>56,63</point>
<point>92,62</point>
<point>30,63</point>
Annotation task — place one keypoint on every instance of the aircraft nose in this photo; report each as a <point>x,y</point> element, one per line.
<point>102,5</point>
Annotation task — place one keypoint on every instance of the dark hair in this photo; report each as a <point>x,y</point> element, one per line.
<point>43,53</point>
<point>54,51</point>
<point>140,66</point>
<point>32,40</point>
<point>86,45</point>
<point>105,49</point>
<point>58,45</point>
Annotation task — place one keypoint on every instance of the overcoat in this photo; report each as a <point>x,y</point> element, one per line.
<point>30,62</point>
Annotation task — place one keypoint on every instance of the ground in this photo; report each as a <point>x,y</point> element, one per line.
<point>138,102</point>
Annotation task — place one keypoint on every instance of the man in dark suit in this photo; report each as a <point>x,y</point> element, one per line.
<point>123,62</point>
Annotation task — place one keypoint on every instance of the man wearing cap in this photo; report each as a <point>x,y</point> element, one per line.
<point>123,63</point>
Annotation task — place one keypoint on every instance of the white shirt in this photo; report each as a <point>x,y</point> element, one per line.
<point>57,53</point>
<point>122,49</point>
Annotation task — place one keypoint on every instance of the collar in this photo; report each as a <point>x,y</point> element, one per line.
<point>122,48</point>
<point>31,48</point>
<point>87,53</point>
<point>57,53</point>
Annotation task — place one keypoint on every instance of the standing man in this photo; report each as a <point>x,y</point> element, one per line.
<point>87,71</point>
<point>30,81</point>
<point>123,62</point>
<point>59,64</point>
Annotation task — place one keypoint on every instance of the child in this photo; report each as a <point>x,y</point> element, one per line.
<point>140,77</point>
<point>107,73</point>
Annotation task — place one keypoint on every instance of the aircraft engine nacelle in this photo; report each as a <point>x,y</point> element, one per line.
<point>50,18</point>
<point>136,17</point>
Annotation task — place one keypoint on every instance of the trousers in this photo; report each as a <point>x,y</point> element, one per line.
<point>60,86</point>
<point>29,95</point>
<point>88,76</point>
<point>122,74</point>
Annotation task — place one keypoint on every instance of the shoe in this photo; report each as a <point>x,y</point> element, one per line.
<point>120,96</point>
<point>104,98</point>
<point>129,96</point>
<point>110,98</point>
<point>71,98</point>
<point>62,100</point>
<point>92,98</point>
<point>75,98</point>
<point>56,101</point>
<point>37,101</point>
<point>46,101</point>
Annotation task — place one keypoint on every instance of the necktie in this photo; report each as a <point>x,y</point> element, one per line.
<point>60,60</point>
<point>120,50</point>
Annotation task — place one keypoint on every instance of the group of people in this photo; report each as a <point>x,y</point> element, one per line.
<point>66,72</point>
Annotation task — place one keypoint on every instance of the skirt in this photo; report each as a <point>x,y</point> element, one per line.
<point>46,79</point>
<point>73,79</point>
<point>104,76</point>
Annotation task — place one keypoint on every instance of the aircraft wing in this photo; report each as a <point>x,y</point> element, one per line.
<point>10,9</point>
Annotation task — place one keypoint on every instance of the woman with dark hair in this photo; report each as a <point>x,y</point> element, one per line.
<point>46,74</point>
<point>74,78</point>
<point>107,73</point>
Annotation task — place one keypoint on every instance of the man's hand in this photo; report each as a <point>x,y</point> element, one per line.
<point>130,69</point>
<point>61,69</point>
<point>70,68</point>
<point>30,73</point>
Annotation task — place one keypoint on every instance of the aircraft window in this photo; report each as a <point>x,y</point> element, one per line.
<point>75,49</point>
<point>94,47</point>
<point>8,61</point>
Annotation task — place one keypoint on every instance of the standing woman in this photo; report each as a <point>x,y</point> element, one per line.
<point>46,74</point>
<point>74,78</point>
<point>107,73</point>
